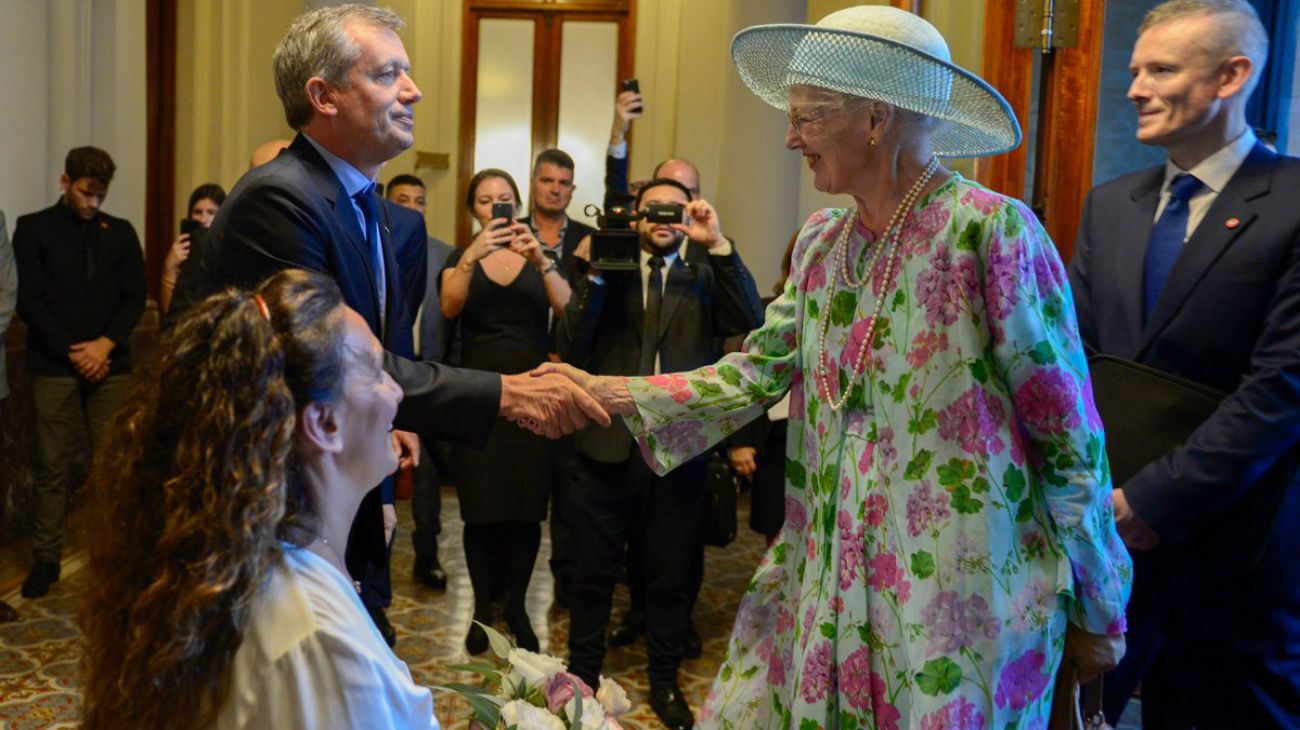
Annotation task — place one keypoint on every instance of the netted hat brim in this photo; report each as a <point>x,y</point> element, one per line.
<point>977,121</point>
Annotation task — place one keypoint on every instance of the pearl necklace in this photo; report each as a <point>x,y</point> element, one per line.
<point>890,240</point>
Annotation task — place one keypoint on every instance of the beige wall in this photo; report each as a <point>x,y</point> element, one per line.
<point>73,74</point>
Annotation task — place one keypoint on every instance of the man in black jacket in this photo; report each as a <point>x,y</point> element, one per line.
<point>666,317</point>
<point>81,291</point>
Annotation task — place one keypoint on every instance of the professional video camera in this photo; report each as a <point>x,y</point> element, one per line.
<point>614,245</point>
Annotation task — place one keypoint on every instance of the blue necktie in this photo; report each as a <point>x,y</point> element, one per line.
<point>1167,239</point>
<point>370,213</point>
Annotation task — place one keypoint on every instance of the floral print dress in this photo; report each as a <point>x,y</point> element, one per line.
<point>943,527</point>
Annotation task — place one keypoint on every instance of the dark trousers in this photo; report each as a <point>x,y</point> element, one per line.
<point>65,407</point>
<point>426,500</point>
<point>368,552</point>
<point>561,531</point>
<point>1228,642</point>
<point>500,557</point>
<point>611,505</point>
<point>1142,640</point>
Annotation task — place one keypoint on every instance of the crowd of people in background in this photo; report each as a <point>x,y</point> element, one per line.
<point>968,500</point>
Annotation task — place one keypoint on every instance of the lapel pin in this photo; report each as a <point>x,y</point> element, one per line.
<point>1232,222</point>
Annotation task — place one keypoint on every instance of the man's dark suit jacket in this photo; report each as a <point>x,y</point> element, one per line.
<point>705,298</point>
<point>1228,317</point>
<point>292,212</point>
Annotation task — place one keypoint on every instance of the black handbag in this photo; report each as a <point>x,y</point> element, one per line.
<point>721,486</point>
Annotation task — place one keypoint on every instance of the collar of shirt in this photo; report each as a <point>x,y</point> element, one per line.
<point>1216,170</point>
<point>559,240</point>
<point>65,212</point>
<point>669,260</point>
<point>352,179</point>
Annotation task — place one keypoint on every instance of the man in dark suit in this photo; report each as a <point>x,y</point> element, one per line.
<point>342,75</point>
<point>409,192</point>
<point>666,317</point>
<point>1194,268</point>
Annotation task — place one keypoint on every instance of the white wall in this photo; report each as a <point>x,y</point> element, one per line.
<point>73,73</point>
<point>26,179</point>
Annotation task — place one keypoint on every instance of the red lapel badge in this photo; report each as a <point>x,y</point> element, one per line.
<point>1232,222</point>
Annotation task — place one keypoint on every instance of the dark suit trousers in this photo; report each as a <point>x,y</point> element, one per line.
<point>612,504</point>
<point>367,552</point>
<point>1230,653</point>
<point>426,499</point>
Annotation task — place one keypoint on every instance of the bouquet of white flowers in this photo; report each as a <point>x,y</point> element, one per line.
<point>525,690</point>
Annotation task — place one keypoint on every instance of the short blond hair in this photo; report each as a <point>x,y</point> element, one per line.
<point>1237,31</point>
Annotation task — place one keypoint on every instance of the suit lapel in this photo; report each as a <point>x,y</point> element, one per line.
<point>390,319</point>
<point>1211,239</point>
<point>1132,259</point>
<point>346,225</point>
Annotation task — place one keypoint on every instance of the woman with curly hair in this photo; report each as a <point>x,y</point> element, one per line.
<point>219,596</point>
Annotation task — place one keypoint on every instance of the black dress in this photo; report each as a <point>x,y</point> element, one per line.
<point>503,329</point>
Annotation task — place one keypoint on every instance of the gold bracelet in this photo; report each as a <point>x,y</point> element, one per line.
<point>465,267</point>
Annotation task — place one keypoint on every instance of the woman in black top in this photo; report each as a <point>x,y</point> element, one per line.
<point>499,290</point>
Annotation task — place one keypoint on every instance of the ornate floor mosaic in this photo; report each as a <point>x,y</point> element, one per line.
<point>39,653</point>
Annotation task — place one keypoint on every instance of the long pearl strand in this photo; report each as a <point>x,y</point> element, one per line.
<point>890,240</point>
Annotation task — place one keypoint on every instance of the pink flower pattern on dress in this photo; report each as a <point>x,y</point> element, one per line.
<point>898,550</point>
<point>973,421</point>
<point>1022,680</point>
<point>924,345</point>
<point>818,677</point>
<point>960,714</point>
<point>926,510</point>
<point>946,289</point>
<point>1045,402</point>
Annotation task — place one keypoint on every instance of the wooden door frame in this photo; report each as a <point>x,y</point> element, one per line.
<point>547,34</point>
<point>1067,121</point>
<point>160,122</point>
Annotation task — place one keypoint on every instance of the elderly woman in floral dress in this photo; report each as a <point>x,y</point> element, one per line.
<point>949,534</point>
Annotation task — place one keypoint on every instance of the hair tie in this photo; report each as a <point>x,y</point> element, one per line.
<point>261,304</point>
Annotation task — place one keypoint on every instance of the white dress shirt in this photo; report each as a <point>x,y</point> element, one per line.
<point>1214,172</point>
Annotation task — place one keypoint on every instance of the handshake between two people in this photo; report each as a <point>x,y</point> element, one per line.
<point>555,399</point>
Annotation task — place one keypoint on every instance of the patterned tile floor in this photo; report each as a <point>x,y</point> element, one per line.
<point>38,654</point>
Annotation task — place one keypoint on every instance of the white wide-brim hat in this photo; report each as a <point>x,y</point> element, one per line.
<point>883,53</point>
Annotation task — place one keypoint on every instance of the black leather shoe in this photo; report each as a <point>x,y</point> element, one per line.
<point>44,574</point>
<point>386,629</point>
<point>429,572</point>
<point>476,641</point>
<point>522,629</point>
<point>629,629</point>
<point>671,707</point>
<point>692,647</point>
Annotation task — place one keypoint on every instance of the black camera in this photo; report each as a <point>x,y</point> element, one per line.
<point>614,245</point>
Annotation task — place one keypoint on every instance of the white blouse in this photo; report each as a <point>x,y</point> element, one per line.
<point>311,658</point>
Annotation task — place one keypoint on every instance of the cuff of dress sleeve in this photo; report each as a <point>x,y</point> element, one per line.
<point>618,151</point>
